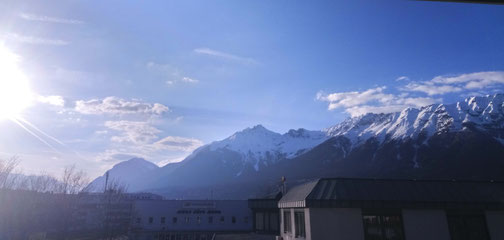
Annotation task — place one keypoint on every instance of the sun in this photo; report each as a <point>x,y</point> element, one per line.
<point>15,93</point>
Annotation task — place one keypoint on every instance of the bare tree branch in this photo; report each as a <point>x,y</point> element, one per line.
<point>6,169</point>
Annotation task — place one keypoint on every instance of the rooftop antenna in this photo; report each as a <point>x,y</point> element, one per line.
<point>106,180</point>
<point>283,187</point>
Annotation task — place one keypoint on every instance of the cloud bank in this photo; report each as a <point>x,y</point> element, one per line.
<point>115,105</point>
<point>373,100</point>
<point>378,100</point>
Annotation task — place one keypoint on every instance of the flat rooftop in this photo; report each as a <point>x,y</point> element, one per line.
<point>392,193</point>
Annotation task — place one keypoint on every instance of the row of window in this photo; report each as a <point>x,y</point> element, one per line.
<point>299,223</point>
<point>383,227</point>
<point>183,236</point>
<point>210,219</point>
<point>198,212</point>
<point>266,221</point>
<point>389,226</point>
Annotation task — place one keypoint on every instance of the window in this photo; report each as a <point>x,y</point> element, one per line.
<point>151,220</point>
<point>299,222</point>
<point>138,220</point>
<point>259,220</point>
<point>198,219</point>
<point>210,219</point>
<point>383,227</point>
<point>222,219</point>
<point>245,219</point>
<point>467,226</point>
<point>287,221</point>
<point>187,219</point>
<point>163,220</point>
<point>274,221</point>
<point>233,219</point>
<point>174,219</point>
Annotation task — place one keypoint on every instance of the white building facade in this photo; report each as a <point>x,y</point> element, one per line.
<point>189,219</point>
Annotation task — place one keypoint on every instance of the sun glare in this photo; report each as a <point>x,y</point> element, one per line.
<point>15,93</point>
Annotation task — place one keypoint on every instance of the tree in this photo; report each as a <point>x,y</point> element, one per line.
<point>73,181</point>
<point>6,169</point>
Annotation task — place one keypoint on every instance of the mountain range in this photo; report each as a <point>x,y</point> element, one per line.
<point>463,140</point>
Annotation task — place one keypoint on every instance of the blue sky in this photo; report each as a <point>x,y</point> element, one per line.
<point>156,79</point>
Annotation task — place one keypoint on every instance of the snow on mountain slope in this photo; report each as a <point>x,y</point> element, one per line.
<point>483,112</point>
<point>129,173</point>
<point>463,131</point>
<point>260,145</point>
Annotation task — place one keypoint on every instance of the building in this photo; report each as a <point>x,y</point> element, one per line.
<point>189,219</point>
<point>266,215</point>
<point>368,209</point>
<point>109,212</point>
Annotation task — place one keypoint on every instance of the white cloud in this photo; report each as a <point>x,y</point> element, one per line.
<point>449,84</point>
<point>372,101</point>
<point>350,99</point>
<point>115,105</point>
<point>36,40</point>
<point>175,143</point>
<point>41,18</point>
<point>228,56</point>
<point>403,78</point>
<point>53,100</point>
<point>189,80</point>
<point>431,89</point>
<point>133,131</point>
<point>138,138</point>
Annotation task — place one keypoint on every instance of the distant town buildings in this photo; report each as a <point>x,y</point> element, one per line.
<point>189,219</point>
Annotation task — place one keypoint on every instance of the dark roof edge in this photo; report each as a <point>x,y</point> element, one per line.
<point>413,180</point>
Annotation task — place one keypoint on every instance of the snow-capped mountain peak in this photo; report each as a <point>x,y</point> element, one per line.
<point>259,145</point>
<point>429,120</point>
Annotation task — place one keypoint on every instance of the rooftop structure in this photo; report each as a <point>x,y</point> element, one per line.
<point>370,209</point>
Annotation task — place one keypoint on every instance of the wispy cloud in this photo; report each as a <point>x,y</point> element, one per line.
<point>143,134</point>
<point>403,78</point>
<point>449,84</point>
<point>141,138</point>
<point>115,105</point>
<point>431,89</point>
<point>189,80</point>
<point>173,74</point>
<point>36,40</point>
<point>136,132</point>
<point>373,100</point>
<point>175,143</point>
<point>42,18</point>
<point>224,55</point>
